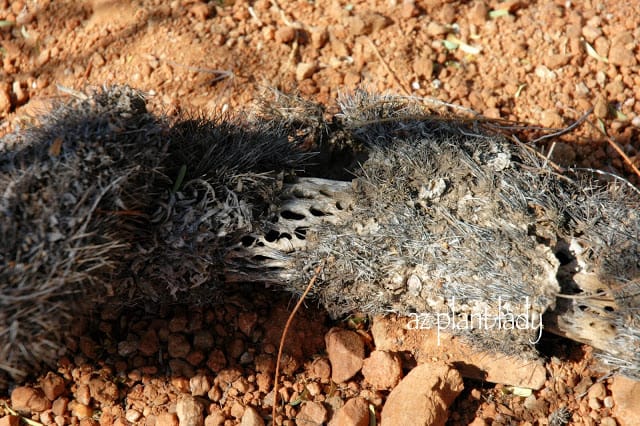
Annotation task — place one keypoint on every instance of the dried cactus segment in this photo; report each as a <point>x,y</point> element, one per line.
<point>68,185</point>
<point>223,176</point>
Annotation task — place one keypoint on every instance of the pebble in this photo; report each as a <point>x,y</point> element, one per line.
<point>167,419</point>
<point>251,418</point>
<point>551,119</point>
<point>178,346</point>
<point>28,399</point>
<point>597,391</point>
<point>601,108</point>
<point>189,411</point>
<point>478,13</point>
<point>247,320</point>
<point>199,385</point>
<point>321,369</point>
<point>620,52</point>
<point>285,34</point>
<point>626,394</point>
<point>9,421</point>
<point>305,70</point>
<point>132,415</point>
<point>346,353</point>
<point>59,406</point>
<point>409,10</point>
<point>127,348</point>
<point>556,61</point>
<point>149,343</point>
<point>423,66</point>
<point>383,370</point>
<point>423,396</point>
<point>312,413</point>
<point>5,98</point>
<point>81,411</point>
<point>104,391</point>
<point>591,33</point>
<point>436,30</point>
<point>355,412</point>
<point>53,386</point>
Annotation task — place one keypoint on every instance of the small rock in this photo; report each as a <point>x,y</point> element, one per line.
<point>59,406</point>
<point>608,421</point>
<point>10,421</point>
<point>621,50</point>
<point>346,353</point>
<point>478,13</point>
<point>167,419</point>
<point>601,108</point>
<point>544,73</point>
<point>319,37</point>
<point>551,119</point>
<point>203,339</point>
<point>409,10</point>
<point>216,418</point>
<point>126,348</point>
<point>251,418</point>
<point>321,369</point>
<point>237,410</point>
<point>28,399</point>
<point>556,61</point>
<point>305,70</point>
<point>53,386</point>
<point>189,411</point>
<point>591,33</point>
<point>104,391</point>
<point>626,394</point>
<point>149,343</point>
<point>199,385</point>
<point>383,370</point>
<point>354,413</point>
<point>311,414</point>
<point>285,34</point>
<point>83,394</point>
<point>178,346</point>
<point>132,415</point>
<point>423,67</point>
<point>21,95</point>
<point>248,320</point>
<point>436,30</point>
<point>200,11</point>
<point>597,391</point>
<point>5,98</point>
<point>81,411</point>
<point>594,404</point>
<point>423,396</point>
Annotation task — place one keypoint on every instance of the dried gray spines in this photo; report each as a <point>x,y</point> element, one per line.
<point>62,185</point>
<point>601,288</point>
<point>226,174</point>
<point>105,201</point>
<point>443,209</point>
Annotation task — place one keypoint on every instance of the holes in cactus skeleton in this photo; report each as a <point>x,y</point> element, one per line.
<point>609,309</point>
<point>300,232</point>
<point>317,212</point>
<point>339,205</point>
<point>287,214</point>
<point>285,235</point>
<point>271,236</point>
<point>248,240</point>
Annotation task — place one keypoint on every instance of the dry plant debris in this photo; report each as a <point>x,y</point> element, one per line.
<point>441,210</point>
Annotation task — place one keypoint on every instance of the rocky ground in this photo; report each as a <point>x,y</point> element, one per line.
<point>543,62</point>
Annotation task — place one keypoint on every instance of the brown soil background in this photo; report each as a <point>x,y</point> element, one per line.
<point>534,62</point>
